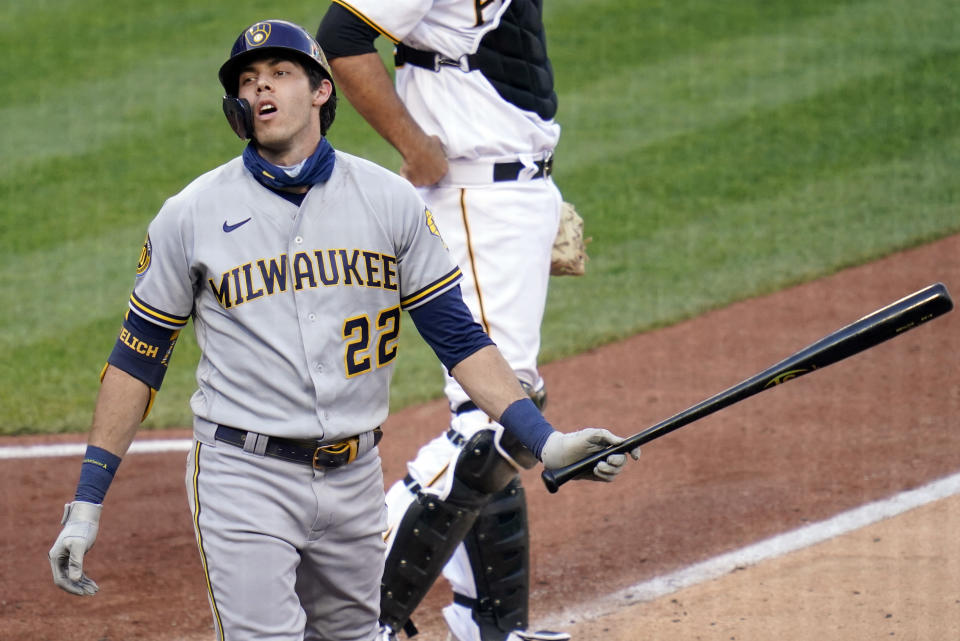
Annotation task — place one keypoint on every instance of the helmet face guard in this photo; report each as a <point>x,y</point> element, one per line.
<point>239,115</point>
<point>278,37</point>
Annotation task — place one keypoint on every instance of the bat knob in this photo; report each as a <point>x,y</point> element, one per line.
<point>550,481</point>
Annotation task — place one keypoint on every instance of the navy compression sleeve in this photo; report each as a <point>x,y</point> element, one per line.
<point>447,326</point>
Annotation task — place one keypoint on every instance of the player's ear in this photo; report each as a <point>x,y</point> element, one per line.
<point>322,93</point>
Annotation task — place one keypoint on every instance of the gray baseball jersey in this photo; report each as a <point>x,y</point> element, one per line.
<point>296,309</point>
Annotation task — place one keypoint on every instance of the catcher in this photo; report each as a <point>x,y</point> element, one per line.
<point>472,116</point>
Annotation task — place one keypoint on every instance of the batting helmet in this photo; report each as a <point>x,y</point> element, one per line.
<point>271,37</point>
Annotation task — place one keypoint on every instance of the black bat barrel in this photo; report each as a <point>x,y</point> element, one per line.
<point>882,325</point>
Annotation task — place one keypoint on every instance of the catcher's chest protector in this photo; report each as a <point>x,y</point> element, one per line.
<point>513,57</point>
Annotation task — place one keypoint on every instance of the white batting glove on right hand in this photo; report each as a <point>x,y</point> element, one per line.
<point>81,520</point>
<point>562,449</point>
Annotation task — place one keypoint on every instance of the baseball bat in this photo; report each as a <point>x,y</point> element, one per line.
<point>883,324</point>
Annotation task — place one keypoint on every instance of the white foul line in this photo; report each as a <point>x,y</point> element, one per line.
<point>771,548</point>
<point>77,449</point>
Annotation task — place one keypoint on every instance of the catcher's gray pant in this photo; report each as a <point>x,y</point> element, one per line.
<point>290,553</point>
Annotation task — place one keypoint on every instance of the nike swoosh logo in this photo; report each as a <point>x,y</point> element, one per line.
<point>229,228</point>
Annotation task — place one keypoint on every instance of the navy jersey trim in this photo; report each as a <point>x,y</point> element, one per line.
<point>155,315</point>
<point>424,293</point>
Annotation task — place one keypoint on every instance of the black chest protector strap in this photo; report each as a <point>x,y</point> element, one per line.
<point>512,57</point>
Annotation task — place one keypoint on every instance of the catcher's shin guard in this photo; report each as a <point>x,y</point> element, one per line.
<point>426,537</point>
<point>432,527</point>
<point>498,547</point>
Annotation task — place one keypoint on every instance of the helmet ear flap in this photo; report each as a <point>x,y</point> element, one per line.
<point>239,115</point>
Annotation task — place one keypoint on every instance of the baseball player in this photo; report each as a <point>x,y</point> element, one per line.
<point>472,117</point>
<point>294,261</point>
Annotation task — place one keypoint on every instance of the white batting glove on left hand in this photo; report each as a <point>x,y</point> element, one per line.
<point>562,449</point>
<point>81,521</point>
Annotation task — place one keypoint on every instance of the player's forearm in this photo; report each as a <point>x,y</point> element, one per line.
<point>488,380</point>
<point>365,82</point>
<point>493,386</point>
<point>118,412</point>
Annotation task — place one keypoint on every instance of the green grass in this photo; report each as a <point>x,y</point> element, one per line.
<point>717,150</point>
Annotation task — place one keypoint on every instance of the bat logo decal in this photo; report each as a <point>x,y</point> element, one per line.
<point>783,377</point>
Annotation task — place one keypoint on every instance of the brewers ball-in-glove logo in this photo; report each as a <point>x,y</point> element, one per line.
<point>432,226</point>
<point>258,34</point>
<point>145,252</point>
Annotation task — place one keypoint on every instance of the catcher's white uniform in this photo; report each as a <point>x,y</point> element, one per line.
<point>497,207</point>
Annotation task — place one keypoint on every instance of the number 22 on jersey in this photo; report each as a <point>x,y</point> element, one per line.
<point>367,342</point>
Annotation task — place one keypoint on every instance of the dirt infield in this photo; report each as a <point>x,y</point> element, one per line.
<point>893,579</point>
<point>864,429</point>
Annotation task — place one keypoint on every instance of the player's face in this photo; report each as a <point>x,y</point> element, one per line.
<point>286,121</point>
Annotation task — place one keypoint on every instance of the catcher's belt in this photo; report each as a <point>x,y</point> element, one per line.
<point>485,172</point>
<point>316,453</point>
<point>506,171</point>
<point>402,54</point>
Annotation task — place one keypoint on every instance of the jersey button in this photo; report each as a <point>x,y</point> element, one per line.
<point>298,240</point>
<point>312,317</point>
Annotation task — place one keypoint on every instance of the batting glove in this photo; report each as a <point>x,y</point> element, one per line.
<point>562,449</point>
<point>81,521</point>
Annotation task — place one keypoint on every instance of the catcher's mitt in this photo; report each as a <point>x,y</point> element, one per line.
<point>569,256</point>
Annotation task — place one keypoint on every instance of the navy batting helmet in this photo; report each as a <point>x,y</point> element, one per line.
<point>276,37</point>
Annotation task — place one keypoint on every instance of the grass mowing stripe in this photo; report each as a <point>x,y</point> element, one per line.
<point>619,111</point>
<point>89,41</point>
<point>657,272</point>
<point>877,118</point>
<point>93,194</point>
<point>81,117</point>
<point>652,30</point>
<point>74,283</point>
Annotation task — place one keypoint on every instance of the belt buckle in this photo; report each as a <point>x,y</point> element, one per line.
<point>331,456</point>
<point>441,60</point>
<point>548,165</point>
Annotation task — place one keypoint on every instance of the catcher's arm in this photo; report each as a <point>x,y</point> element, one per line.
<point>362,77</point>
